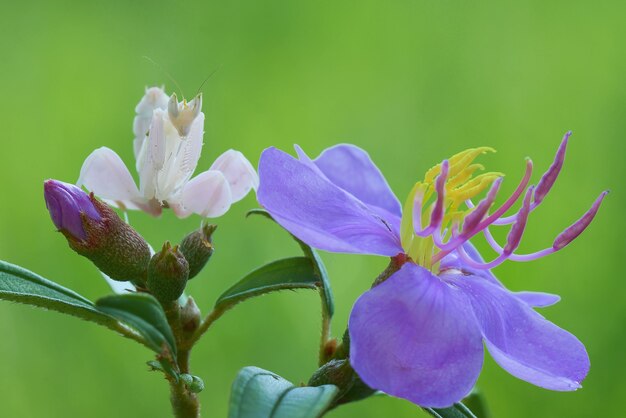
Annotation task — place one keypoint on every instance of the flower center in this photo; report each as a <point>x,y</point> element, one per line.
<point>443,200</point>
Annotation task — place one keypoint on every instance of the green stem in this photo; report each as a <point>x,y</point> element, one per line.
<point>185,403</point>
<point>326,351</point>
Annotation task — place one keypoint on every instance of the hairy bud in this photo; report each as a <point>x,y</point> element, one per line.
<point>168,272</point>
<point>95,231</point>
<point>197,247</point>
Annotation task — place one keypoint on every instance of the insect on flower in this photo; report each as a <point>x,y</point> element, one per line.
<point>167,146</point>
<point>419,332</point>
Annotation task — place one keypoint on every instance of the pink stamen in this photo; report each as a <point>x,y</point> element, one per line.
<point>477,265</point>
<point>465,236</point>
<point>481,210</point>
<point>545,183</point>
<point>517,230</point>
<point>549,177</point>
<point>562,240</point>
<point>515,257</point>
<point>436,216</point>
<point>573,231</point>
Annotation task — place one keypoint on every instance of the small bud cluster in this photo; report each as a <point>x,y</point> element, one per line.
<point>95,231</point>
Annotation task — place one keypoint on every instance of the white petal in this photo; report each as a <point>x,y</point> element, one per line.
<point>182,156</point>
<point>208,194</point>
<point>152,156</point>
<point>119,288</point>
<point>105,174</point>
<point>238,171</point>
<point>192,147</point>
<point>154,98</point>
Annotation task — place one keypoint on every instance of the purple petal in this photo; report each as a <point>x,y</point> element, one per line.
<point>351,168</point>
<point>523,342</point>
<point>415,337</point>
<point>453,261</point>
<point>66,204</point>
<point>317,211</point>
<point>538,299</point>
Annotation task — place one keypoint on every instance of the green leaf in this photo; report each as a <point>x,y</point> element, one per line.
<point>257,393</point>
<point>458,410</point>
<point>476,402</point>
<point>288,273</point>
<point>142,313</point>
<point>318,264</point>
<point>145,315</point>
<point>20,285</point>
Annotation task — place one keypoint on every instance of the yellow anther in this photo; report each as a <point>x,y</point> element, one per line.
<point>458,162</point>
<point>473,187</point>
<point>463,176</point>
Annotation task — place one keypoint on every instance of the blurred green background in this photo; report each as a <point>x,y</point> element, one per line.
<point>412,82</point>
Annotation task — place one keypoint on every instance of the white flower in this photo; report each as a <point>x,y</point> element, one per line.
<point>167,145</point>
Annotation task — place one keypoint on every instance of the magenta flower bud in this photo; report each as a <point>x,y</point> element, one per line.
<point>579,226</point>
<point>67,205</point>
<point>94,230</point>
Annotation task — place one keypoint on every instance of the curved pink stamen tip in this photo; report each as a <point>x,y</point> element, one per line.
<point>437,215</point>
<point>481,209</point>
<point>549,177</point>
<point>517,230</point>
<point>573,231</point>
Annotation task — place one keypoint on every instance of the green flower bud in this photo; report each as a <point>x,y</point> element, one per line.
<point>197,247</point>
<point>190,316</point>
<point>168,272</point>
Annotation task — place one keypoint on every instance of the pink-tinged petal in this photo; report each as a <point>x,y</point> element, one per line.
<point>318,212</point>
<point>208,195</point>
<point>352,169</point>
<point>240,174</point>
<point>522,341</point>
<point>538,299</point>
<point>415,337</point>
<point>154,98</point>
<point>105,174</point>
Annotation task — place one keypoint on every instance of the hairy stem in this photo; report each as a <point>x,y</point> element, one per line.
<point>185,403</point>
<point>206,324</point>
<point>326,350</point>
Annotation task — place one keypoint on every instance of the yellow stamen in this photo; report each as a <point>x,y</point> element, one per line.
<point>472,187</point>
<point>460,186</point>
<point>457,162</point>
<point>406,225</point>
<point>464,175</point>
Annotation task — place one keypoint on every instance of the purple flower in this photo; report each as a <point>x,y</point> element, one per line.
<point>418,334</point>
<point>67,204</point>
